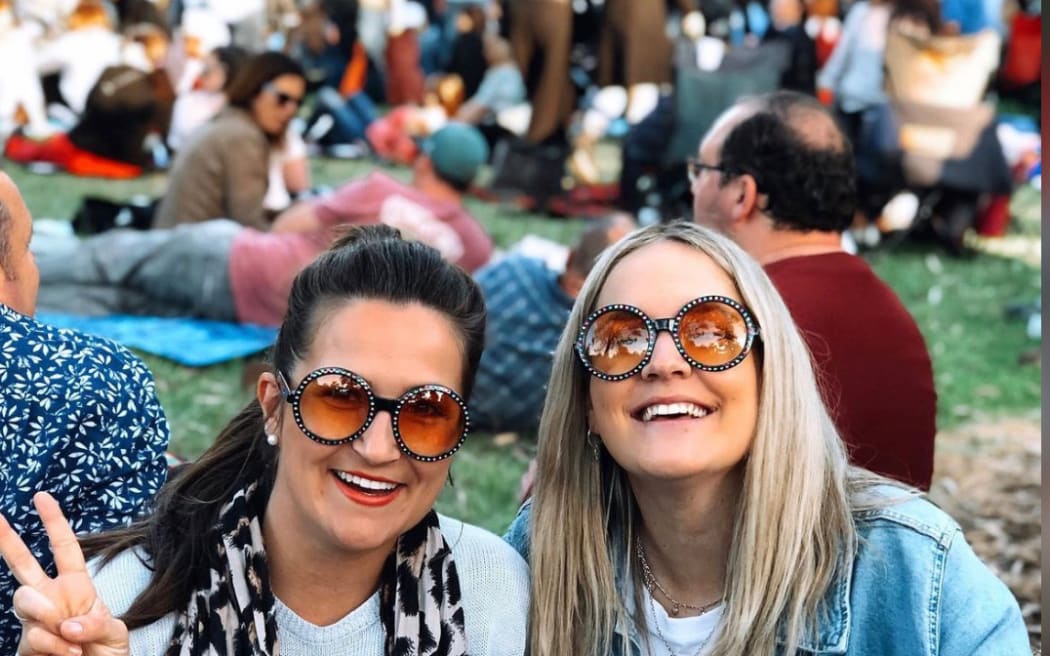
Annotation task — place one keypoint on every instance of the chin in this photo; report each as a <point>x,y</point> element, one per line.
<point>358,534</point>
<point>673,467</point>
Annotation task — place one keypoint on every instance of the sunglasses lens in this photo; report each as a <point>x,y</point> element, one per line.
<point>334,406</point>
<point>432,422</point>
<point>616,342</point>
<point>713,333</point>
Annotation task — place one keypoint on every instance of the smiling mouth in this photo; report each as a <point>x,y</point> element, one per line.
<point>670,411</point>
<point>368,486</point>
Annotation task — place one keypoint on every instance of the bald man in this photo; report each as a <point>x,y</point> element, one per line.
<point>79,416</point>
<point>776,175</point>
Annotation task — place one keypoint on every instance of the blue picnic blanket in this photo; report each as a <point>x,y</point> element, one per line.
<point>191,342</point>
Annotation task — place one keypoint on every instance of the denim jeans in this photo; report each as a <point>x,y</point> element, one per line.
<point>351,116</point>
<point>182,271</point>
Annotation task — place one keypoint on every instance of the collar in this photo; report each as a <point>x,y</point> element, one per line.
<point>12,314</point>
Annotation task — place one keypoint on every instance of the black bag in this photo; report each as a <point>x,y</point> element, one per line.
<point>97,215</point>
<point>535,170</point>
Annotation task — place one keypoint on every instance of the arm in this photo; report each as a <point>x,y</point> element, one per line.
<point>471,112</point>
<point>296,174</point>
<point>52,57</point>
<point>836,65</point>
<point>295,164</point>
<point>300,217</point>
<point>979,616</point>
<point>246,164</point>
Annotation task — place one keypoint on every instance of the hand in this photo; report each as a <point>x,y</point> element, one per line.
<point>61,615</point>
<point>693,25</point>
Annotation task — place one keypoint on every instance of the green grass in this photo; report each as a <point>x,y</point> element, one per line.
<point>958,304</point>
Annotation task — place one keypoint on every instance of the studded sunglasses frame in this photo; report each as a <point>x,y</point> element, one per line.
<point>375,404</point>
<point>670,324</point>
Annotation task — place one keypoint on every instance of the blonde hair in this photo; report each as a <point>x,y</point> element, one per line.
<point>89,13</point>
<point>794,523</point>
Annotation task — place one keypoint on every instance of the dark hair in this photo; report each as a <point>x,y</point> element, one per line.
<point>926,13</point>
<point>231,58</point>
<point>255,72</point>
<point>800,160</point>
<point>595,239</point>
<point>369,262</point>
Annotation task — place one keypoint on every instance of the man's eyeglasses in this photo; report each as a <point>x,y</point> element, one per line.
<point>281,97</point>
<point>695,167</point>
<point>713,333</point>
<point>334,406</point>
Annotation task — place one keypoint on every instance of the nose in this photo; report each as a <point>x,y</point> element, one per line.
<point>378,446</point>
<point>666,361</point>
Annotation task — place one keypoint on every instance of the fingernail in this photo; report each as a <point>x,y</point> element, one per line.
<point>75,651</point>
<point>75,628</point>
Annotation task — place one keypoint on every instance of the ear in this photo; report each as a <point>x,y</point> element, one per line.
<point>422,165</point>
<point>268,392</point>
<point>591,425</point>
<point>745,198</point>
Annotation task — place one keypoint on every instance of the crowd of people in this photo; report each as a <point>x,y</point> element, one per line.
<point>752,482</point>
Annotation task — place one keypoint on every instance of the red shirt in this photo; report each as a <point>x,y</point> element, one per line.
<point>876,375</point>
<point>263,265</point>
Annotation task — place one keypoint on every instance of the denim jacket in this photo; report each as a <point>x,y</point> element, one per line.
<point>915,588</point>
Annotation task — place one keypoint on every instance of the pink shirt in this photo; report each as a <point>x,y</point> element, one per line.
<point>263,265</point>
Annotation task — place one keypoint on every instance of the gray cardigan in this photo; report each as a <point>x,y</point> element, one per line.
<point>222,172</point>
<point>493,578</point>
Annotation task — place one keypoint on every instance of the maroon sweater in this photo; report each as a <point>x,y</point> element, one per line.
<point>875,373</point>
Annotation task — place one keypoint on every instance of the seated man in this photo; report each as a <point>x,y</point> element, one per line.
<point>78,416</point>
<point>221,270</point>
<point>528,305</point>
<point>775,173</point>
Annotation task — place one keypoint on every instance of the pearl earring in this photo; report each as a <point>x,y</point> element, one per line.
<point>271,439</point>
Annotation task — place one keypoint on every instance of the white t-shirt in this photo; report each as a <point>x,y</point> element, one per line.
<point>687,636</point>
<point>80,56</point>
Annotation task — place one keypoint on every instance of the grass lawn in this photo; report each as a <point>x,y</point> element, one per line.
<point>981,358</point>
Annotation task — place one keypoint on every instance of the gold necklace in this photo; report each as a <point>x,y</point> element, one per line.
<point>650,581</point>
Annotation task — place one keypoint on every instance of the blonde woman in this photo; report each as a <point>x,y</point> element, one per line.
<point>693,497</point>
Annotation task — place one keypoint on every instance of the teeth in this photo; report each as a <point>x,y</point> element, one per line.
<point>674,409</point>
<point>366,483</point>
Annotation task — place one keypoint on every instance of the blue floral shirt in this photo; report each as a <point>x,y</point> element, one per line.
<point>79,418</point>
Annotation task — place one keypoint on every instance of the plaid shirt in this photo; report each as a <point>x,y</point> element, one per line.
<point>527,311</point>
<point>78,418</point>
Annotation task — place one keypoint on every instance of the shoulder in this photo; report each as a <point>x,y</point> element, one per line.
<point>517,535</point>
<point>915,568</point>
<point>122,579</point>
<point>817,280</point>
<point>495,585</point>
<point>511,269</point>
<point>479,553</point>
<point>82,355</point>
<point>231,125</point>
<point>889,507</point>
<point>118,583</point>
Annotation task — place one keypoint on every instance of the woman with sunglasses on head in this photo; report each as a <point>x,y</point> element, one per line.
<point>693,497</point>
<point>308,527</point>
<point>222,171</point>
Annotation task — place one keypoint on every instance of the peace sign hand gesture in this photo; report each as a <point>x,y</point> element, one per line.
<point>61,615</point>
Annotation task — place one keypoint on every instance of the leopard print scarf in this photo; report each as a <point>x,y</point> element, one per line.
<point>232,612</point>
